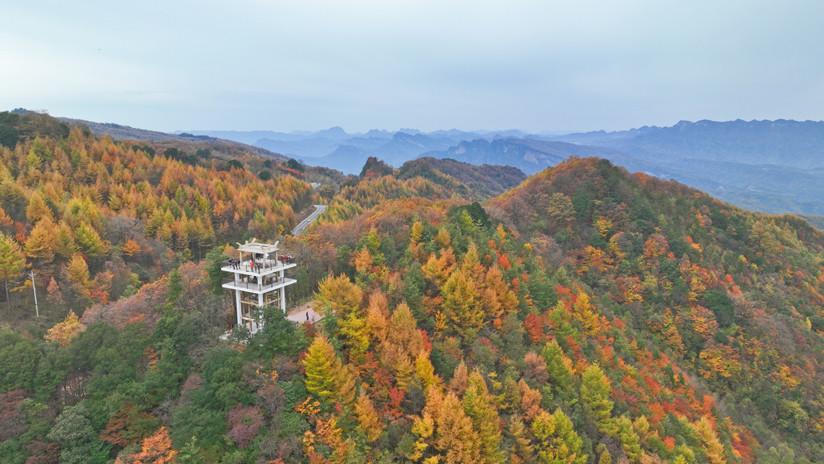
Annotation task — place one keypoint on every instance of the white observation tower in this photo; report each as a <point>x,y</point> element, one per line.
<point>258,280</point>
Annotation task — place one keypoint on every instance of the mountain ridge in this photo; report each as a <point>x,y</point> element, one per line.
<point>723,140</point>
<point>769,165</point>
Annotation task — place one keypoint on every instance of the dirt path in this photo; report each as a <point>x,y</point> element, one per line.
<point>299,313</point>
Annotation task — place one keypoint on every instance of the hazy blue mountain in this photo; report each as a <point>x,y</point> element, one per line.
<point>398,149</point>
<point>528,155</point>
<point>779,142</point>
<point>248,137</point>
<point>335,148</point>
<point>300,144</point>
<point>764,187</point>
<point>332,133</point>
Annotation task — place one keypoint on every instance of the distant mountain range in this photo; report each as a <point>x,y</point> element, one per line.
<point>347,152</point>
<point>773,166</point>
<point>782,142</point>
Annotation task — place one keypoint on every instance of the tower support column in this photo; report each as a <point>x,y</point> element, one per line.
<point>238,308</point>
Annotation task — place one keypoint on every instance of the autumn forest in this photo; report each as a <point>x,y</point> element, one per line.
<point>583,315</point>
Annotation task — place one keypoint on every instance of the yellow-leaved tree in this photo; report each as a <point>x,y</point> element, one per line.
<point>556,439</point>
<point>342,298</point>
<point>326,376</point>
<point>595,397</point>
<point>78,273</point>
<point>12,261</point>
<point>42,241</point>
<point>64,332</point>
<point>479,405</point>
<point>369,420</point>
<point>445,432</point>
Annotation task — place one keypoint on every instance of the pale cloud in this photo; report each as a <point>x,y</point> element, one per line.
<point>32,71</point>
<point>530,64</point>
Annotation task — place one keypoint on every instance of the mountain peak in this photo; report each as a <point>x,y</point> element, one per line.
<point>375,168</point>
<point>335,131</point>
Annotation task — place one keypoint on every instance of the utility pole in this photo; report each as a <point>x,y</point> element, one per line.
<point>34,290</point>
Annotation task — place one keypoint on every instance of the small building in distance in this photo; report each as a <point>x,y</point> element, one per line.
<point>258,280</point>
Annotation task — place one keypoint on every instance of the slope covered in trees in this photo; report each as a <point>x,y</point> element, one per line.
<point>471,181</point>
<point>96,218</point>
<point>737,296</point>
<point>586,316</point>
<point>427,178</point>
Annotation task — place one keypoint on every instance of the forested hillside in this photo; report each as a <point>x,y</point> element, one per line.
<point>734,295</point>
<point>95,218</point>
<point>471,181</point>
<point>585,316</point>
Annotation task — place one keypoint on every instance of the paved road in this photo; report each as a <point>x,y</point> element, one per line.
<point>300,228</point>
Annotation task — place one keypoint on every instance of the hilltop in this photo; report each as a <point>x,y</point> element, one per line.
<point>122,132</point>
<point>468,180</point>
<point>774,166</point>
<point>675,259</point>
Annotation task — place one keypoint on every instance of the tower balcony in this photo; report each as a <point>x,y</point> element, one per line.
<point>261,268</point>
<point>253,287</point>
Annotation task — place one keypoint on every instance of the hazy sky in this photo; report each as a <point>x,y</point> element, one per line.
<point>306,64</point>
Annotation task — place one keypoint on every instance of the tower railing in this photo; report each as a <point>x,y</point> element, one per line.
<point>255,287</point>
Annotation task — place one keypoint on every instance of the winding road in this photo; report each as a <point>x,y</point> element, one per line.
<point>300,228</point>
